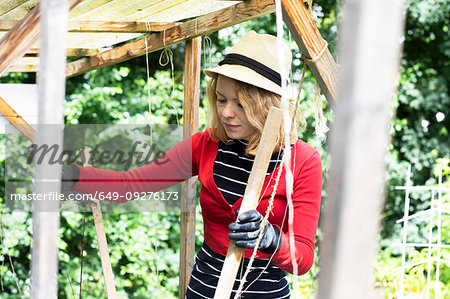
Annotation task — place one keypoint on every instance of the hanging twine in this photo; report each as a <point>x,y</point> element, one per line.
<point>168,55</point>
<point>207,44</point>
<point>321,123</point>
<point>147,25</point>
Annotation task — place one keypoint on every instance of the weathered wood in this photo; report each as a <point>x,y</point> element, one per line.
<point>101,239</point>
<point>23,68</point>
<point>251,198</point>
<point>98,26</point>
<point>80,52</point>
<point>8,5</point>
<point>191,102</point>
<point>16,120</point>
<point>369,56</point>
<point>184,10</point>
<point>202,25</point>
<point>20,11</point>
<point>129,27</point>
<point>22,37</point>
<point>311,43</point>
<point>47,176</point>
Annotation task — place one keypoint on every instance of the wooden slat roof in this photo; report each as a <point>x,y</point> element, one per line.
<point>108,15</point>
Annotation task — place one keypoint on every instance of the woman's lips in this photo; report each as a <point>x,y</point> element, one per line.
<point>231,127</point>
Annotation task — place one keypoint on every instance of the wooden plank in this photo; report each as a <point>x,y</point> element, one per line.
<point>369,57</point>
<point>191,102</point>
<point>101,239</point>
<point>202,25</point>
<point>103,249</point>
<point>134,11</point>
<point>186,10</point>
<point>117,10</point>
<point>129,27</point>
<point>16,120</point>
<point>23,69</point>
<point>20,11</point>
<point>98,26</point>
<point>70,52</point>
<point>8,5</point>
<point>19,39</point>
<point>251,199</point>
<point>311,43</point>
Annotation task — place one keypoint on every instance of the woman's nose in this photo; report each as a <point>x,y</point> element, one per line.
<point>228,111</point>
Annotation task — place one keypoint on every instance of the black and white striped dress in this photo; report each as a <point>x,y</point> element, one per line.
<point>231,171</point>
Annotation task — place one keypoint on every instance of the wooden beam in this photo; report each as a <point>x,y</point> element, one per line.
<point>16,120</point>
<point>75,52</point>
<point>370,53</point>
<point>202,25</point>
<point>22,37</point>
<point>124,27</point>
<point>23,69</point>
<point>191,102</point>
<point>311,43</point>
<point>97,26</point>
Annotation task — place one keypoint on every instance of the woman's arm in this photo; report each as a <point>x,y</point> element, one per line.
<point>176,166</point>
<point>306,200</point>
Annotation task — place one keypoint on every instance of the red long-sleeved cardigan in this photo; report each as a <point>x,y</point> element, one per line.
<point>195,156</point>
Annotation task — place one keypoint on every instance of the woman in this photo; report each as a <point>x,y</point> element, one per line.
<point>243,88</point>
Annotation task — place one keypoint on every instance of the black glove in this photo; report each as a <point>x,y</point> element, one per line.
<point>245,232</point>
<point>70,176</point>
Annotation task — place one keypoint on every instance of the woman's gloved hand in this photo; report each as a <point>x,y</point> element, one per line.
<point>246,230</point>
<point>70,176</point>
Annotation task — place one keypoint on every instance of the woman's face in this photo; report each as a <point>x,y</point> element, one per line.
<point>230,111</point>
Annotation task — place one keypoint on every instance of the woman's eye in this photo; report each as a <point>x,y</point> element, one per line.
<point>221,101</point>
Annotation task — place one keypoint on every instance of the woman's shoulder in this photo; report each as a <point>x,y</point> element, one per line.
<point>304,149</point>
<point>203,141</point>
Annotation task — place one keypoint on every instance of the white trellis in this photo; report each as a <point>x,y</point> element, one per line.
<point>433,211</point>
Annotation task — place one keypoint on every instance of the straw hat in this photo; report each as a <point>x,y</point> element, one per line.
<point>254,60</point>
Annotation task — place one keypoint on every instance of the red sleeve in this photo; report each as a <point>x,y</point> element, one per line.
<point>306,201</point>
<point>177,165</point>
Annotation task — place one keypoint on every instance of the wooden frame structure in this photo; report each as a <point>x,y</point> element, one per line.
<point>20,41</point>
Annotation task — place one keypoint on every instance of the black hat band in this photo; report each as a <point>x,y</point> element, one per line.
<point>267,72</point>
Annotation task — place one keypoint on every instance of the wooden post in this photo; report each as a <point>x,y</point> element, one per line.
<point>311,43</point>
<point>250,201</point>
<point>16,120</point>
<point>189,188</point>
<point>369,54</point>
<point>108,274</point>
<point>51,88</point>
<point>22,37</point>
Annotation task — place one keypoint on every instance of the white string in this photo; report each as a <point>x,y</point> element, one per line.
<point>147,26</point>
<point>168,54</point>
<point>321,123</point>
<point>207,44</point>
<point>287,127</point>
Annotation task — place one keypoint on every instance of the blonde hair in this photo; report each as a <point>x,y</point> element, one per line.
<point>256,103</point>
